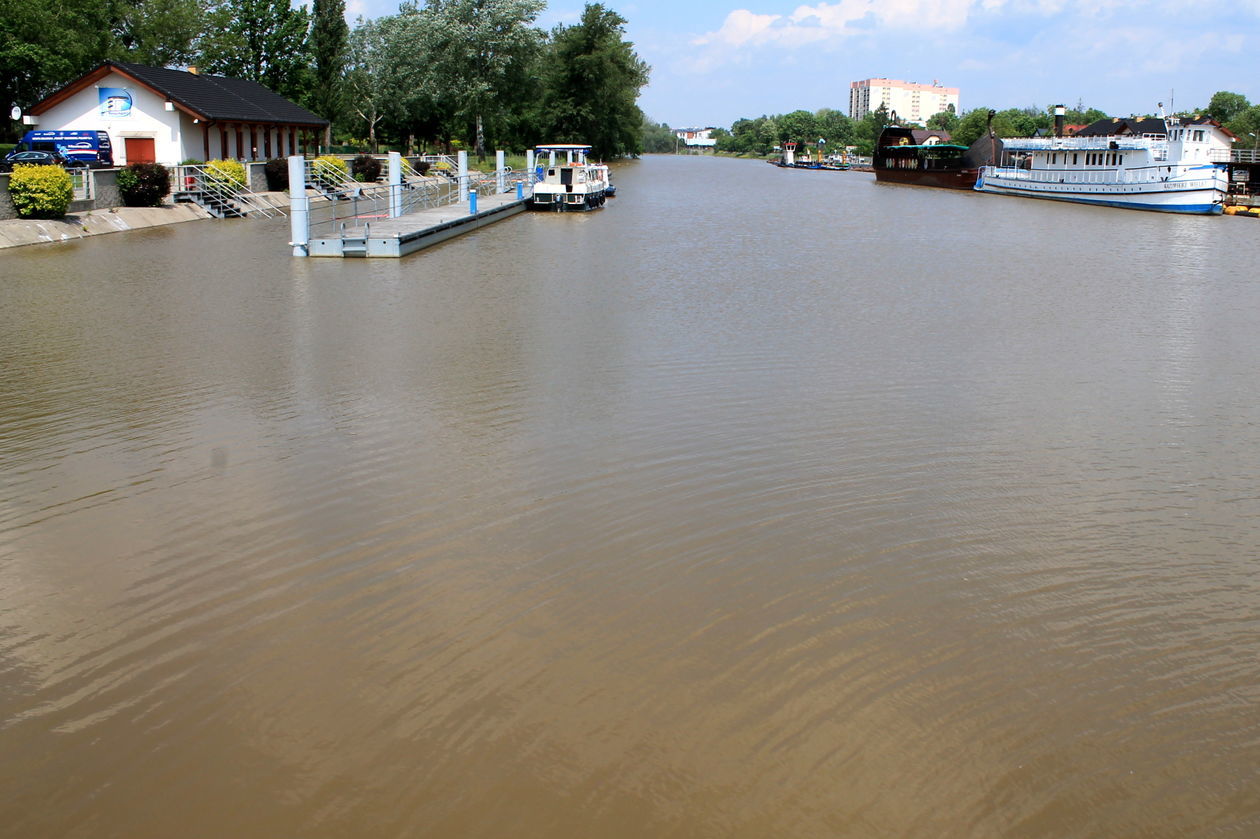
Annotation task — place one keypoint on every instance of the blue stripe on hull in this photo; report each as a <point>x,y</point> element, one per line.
<point>1193,209</point>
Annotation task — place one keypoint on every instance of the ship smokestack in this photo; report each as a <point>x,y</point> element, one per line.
<point>1060,113</point>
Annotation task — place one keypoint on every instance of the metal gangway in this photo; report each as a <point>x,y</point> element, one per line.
<point>221,194</point>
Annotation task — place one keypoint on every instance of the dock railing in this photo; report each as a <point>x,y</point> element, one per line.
<point>217,192</point>
<point>349,207</point>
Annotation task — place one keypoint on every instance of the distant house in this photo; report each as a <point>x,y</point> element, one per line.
<point>696,137</point>
<point>158,115</point>
<point>929,136</point>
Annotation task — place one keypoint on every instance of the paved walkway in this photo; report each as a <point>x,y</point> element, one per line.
<point>15,232</point>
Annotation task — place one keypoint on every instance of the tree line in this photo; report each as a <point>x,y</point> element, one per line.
<point>760,136</point>
<point>439,73</point>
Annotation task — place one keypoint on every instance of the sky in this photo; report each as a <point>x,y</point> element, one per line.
<point>716,61</point>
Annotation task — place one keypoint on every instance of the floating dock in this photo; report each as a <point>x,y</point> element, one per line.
<point>405,214</point>
<point>396,237</point>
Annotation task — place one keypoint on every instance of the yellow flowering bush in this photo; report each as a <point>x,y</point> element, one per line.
<point>226,172</point>
<point>40,191</point>
<point>329,169</point>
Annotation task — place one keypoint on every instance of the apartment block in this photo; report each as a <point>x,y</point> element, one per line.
<point>910,101</point>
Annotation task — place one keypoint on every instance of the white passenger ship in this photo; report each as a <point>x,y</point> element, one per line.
<point>1151,164</point>
<point>574,186</point>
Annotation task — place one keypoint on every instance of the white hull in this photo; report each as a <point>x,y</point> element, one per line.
<point>574,186</point>
<point>1198,190</point>
<point>1173,169</point>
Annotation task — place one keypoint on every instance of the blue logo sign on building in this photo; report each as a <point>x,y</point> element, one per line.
<point>115,102</point>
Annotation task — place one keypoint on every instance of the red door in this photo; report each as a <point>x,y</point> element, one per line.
<point>140,150</point>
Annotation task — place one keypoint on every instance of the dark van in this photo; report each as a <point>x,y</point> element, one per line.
<point>91,148</point>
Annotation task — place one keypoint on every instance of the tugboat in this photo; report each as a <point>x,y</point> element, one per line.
<point>575,186</point>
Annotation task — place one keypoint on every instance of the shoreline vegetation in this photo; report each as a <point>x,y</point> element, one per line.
<point>758,137</point>
<point>435,74</point>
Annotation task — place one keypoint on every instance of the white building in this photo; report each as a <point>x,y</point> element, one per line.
<point>911,102</point>
<point>158,115</point>
<point>701,138</point>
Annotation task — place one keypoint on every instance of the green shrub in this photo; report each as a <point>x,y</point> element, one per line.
<point>192,161</point>
<point>365,168</point>
<point>144,184</point>
<point>228,173</point>
<point>40,191</point>
<point>277,173</point>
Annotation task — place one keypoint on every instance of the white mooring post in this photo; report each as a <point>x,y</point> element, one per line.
<point>299,207</point>
<point>461,172</point>
<point>395,184</point>
<point>500,179</point>
<point>530,165</point>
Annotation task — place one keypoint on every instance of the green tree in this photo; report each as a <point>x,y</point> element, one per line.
<point>799,126</point>
<point>1225,105</point>
<point>836,127</point>
<point>1246,126</point>
<point>260,40</point>
<point>974,124</point>
<point>329,43</point>
<point>658,138</point>
<point>474,50</point>
<point>372,73</point>
<point>592,79</point>
<point>156,32</point>
<point>43,45</point>
<point>944,121</point>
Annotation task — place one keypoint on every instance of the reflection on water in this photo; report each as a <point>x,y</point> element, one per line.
<point>761,503</point>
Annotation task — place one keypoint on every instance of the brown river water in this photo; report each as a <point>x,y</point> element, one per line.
<point>760,503</point>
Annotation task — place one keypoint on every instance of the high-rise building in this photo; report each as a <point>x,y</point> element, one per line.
<point>911,102</point>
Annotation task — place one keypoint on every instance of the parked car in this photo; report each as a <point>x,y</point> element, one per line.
<point>32,158</point>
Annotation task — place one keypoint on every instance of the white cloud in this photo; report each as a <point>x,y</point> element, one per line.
<point>741,27</point>
<point>846,18</point>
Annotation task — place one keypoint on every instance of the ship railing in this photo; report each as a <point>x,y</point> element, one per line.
<point>1103,177</point>
<point>1083,143</point>
<point>1238,156</point>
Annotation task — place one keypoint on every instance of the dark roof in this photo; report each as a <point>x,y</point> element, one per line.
<point>1135,126</point>
<point>209,97</point>
<point>222,98</point>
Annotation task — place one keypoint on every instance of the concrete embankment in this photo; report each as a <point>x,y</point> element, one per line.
<point>15,232</point>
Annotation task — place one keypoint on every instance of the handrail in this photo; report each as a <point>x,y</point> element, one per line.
<point>196,178</point>
<point>353,206</point>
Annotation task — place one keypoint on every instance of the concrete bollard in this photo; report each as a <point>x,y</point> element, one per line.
<point>299,207</point>
<point>461,172</point>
